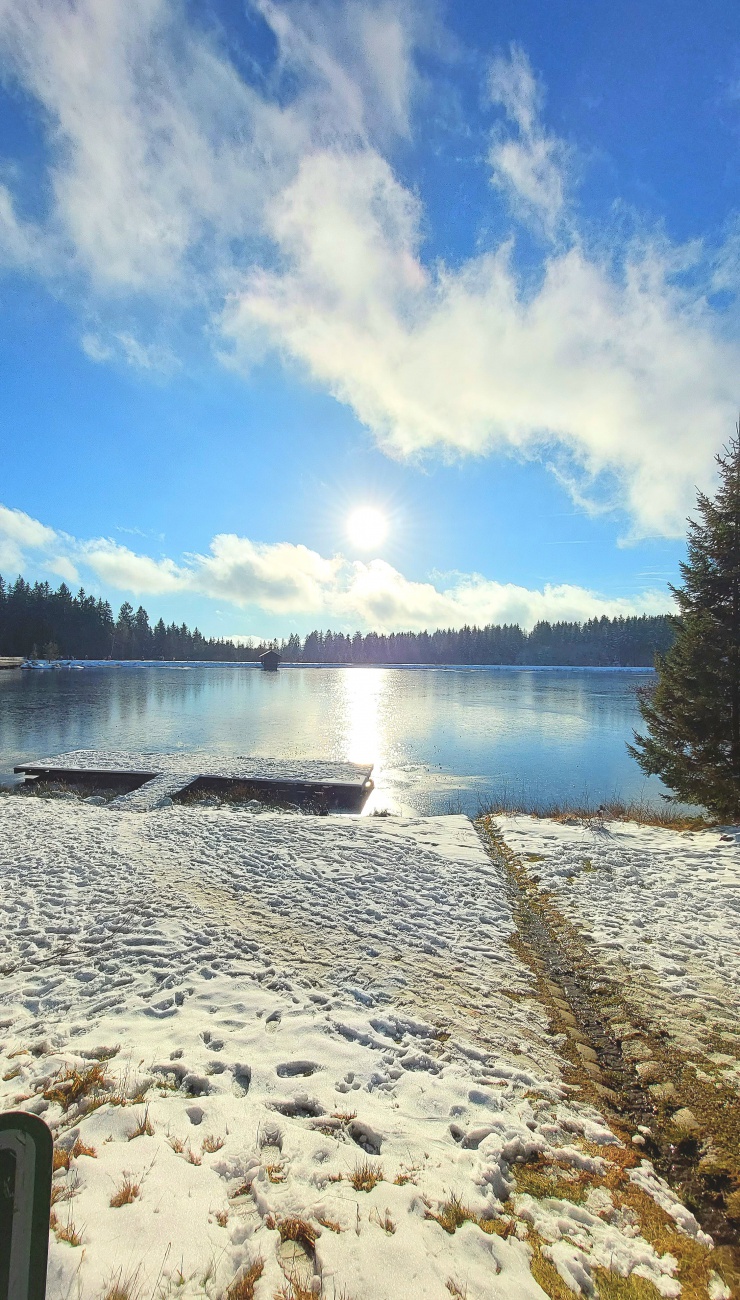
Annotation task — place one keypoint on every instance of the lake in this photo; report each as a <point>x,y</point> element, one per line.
<point>441,739</point>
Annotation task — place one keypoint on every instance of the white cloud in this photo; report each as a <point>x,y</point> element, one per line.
<point>531,168</point>
<point>122,568</point>
<point>123,346</point>
<point>163,155</point>
<point>280,577</point>
<point>171,174</point>
<point>626,372</point>
<point>19,240</point>
<point>16,526</point>
<point>286,579</point>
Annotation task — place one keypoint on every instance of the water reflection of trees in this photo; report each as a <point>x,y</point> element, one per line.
<point>530,728</point>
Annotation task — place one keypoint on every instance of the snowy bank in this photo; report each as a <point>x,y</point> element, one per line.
<point>301,1049</point>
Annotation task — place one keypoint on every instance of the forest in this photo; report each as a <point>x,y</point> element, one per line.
<point>38,621</point>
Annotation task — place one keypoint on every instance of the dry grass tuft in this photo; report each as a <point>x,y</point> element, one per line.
<point>407,1174</point>
<point>61,1158</point>
<point>12,1074</point>
<point>177,1145</point>
<point>144,1128</point>
<point>69,1088</point>
<point>192,1157</point>
<point>122,1288</point>
<point>386,1222</point>
<point>452,1214</point>
<point>455,1290</point>
<point>294,1291</point>
<point>65,1231</point>
<point>331,1224</point>
<point>212,1143</point>
<point>242,1288</point>
<point>613,1287</point>
<point>127,1192</point>
<point>276,1173</point>
<point>617,810</point>
<point>295,1229</point>
<point>82,1149</point>
<point>222,1218</point>
<point>366,1176</point>
<point>543,1182</point>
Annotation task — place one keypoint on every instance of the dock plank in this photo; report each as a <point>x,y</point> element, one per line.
<point>166,775</point>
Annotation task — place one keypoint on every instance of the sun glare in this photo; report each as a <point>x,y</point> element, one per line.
<point>367,527</point>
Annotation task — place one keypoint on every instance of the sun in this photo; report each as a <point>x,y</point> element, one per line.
<point>366,527</point>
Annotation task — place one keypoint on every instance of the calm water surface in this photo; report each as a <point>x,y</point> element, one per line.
<point>440,738</point>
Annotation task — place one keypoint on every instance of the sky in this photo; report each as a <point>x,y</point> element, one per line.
<point>473,268</point>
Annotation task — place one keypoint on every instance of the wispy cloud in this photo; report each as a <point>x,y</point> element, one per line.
<point>125,347</point>
<point>530,167</point>
<point>284,579</point>
<point>270,205</point>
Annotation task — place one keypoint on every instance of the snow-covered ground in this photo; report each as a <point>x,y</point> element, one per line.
<point>661,910</point>
<point>303,1044</point>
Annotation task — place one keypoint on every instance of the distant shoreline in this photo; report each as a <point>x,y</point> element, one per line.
<point>252,664</point>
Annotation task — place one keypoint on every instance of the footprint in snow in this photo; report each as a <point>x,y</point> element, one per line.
<point>213,1044</point>
<point>242,1079</point>
<point>289,1069</point>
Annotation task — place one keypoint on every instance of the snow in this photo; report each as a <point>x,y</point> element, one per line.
<point>661,909</point>
<point>278,999</point>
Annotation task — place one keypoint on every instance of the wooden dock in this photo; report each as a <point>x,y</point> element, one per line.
<point>148,779</point>
<point>11,661</point>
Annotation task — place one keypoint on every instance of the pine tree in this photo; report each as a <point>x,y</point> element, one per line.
<point>693,713</point>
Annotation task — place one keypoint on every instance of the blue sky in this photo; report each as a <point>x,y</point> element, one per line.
<point>260,265</point>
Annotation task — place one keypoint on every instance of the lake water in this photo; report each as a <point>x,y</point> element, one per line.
<point>441,739</point>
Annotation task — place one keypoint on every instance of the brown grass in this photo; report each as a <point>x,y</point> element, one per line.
<point>407,1174</point>
<point>212,1143</point>
<point>61,1158</point>
<point>63,1192</point>
<point>366,1176</point>
<point>127,1192</point>
<point>144,1128</point>
<point>613,1287</point>
<point>614,810</point>
<point>452,1214</point>
<point>386,1222</point>
<point>242,1288</point>
<point>276,1173</point>
<point>12,1074</point>
<point>542,1181</point>
<point>70,1087</point>
<point>65,1231</point>
<point>122,1288</point>
<point>331,1224</point>
<point>177,1145</point>
<point>222,1218</point>
<point>454,1289</point>
<point>295,1229</point>
<point>192,1157</point>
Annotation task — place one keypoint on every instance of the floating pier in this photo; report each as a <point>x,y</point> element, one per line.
<point>148,779</point>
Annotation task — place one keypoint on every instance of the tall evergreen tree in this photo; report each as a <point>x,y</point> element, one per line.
<point>693,714</point>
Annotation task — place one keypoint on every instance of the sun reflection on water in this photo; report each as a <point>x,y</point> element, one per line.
<point>365,710</point>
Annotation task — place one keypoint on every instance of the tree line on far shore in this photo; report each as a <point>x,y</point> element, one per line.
<point>38,621</point>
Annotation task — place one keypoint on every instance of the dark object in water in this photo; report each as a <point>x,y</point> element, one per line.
<point>270,660</point>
